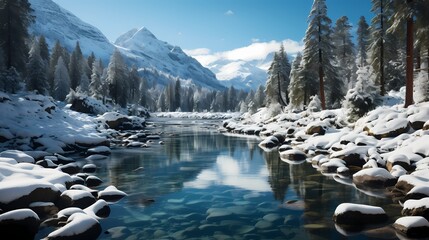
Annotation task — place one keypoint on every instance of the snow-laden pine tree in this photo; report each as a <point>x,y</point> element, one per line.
<point>117,79</point>
<point>421,85</point>
<point>315,105</point>
<point>362,97</point>
<point>44,49</point>
<point>61,80</point>
<point>37,79</point>
<point>344,50</point>
<point>363,36</point>
<point>95,85</point>
<point>83,88</point>
<point>15,18</point>
<point>296,86</point>
<point>259,97</point>
<point>161,105</point>
<point>57,52</point>
<point>278,79</point>
<point>318,55</point>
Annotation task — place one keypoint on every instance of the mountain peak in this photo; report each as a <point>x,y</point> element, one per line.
<point>135,35</point>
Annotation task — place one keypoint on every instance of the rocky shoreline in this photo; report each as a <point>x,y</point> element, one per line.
<point>385,154</point>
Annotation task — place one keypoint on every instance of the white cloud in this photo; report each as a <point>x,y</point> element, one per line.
<point>229,13</point>
<point>197,51</point>
<point>254,51</point>
<point>255,40</point>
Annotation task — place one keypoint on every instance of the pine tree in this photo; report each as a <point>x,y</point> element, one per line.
<point>15,18</point>
<point>62,80</point>
<point>315,105</point>
<point>259,97</point>
<point>75,67</point>
<point>362,97</point>
<point>296,87</point>
<point>57,52</point>
<point>344,49</point>
<point>10,80</point>
<point>134,85</point>
<point>117,79</point>
<point>36,67</point>
<point>90,61</point>
<point>363,35</point>
<point>83,87</point>
<point>44,49</point>
<point>95,85</point>
<point>318,54</point>
<point>161,105</point>
<point>278,79</point>
<point>177,95</point>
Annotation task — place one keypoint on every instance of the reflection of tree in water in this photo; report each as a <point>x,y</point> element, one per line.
<point>279,174</point>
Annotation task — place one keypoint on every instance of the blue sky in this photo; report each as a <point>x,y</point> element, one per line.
<point>213,25</point>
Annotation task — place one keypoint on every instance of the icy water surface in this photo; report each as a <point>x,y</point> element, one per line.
<point>203,185</point>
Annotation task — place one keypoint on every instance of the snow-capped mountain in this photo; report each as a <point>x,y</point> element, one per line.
<point>56,23</point>
<point>144,50</point>
<point>241,74</point>
<point>156,60</point>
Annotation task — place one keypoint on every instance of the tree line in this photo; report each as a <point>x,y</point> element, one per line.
<point>26,62</point>
<point>389,53</point>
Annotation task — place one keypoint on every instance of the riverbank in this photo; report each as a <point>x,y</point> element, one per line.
<point>383,154</point>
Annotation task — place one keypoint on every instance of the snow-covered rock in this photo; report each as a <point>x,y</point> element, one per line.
<point>78,226</point>
<point>293,155</point>
<point>111,194</point>
<point>119,121</point>
<point>99,209</point>
<point>19,224</point>
<point>373,178</point>
<point>412,226</point>
<point>358,215</point>
<point>418,207</point>
<point>76,198</point>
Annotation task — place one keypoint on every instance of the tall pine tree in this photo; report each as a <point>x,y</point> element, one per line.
<point>61,80</point>
<point>37,71</point>
<point>363,35</point>
<point>318,54</point>
<point>117,79</point>
<point>15,18</point>
<point>344,50</point>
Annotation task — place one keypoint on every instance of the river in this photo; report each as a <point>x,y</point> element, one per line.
<point>201,184</point>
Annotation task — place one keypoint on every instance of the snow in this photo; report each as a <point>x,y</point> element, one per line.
<point>91,210</point>
<point>420,189</point>
<point>414,180</point>
<point>77,194</point>
<point>365,209</point>
<point>98,150</point>
<point>19,156</point>
<point>413,204</point>
<point>111,190</point>
<point>77,223</point>
<point>375,172</point>
<point>19,214</point>
<point>67,212</point>
<point>412,222</point>
<point>18,185</point>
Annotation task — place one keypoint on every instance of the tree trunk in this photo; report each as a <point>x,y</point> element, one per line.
<point>382,82</point>
<point>409,67</point>
<point>282,102</point>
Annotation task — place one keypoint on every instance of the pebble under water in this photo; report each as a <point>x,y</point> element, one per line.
<point>201,184</point>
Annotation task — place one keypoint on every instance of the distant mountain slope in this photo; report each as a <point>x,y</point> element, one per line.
<point>157,60</point>
<point>144,50</point>
<point>56,23</point>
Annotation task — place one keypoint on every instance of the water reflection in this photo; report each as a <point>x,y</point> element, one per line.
<point>206,185</point>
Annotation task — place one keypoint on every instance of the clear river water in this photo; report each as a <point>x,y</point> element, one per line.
<point>202,184</point>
